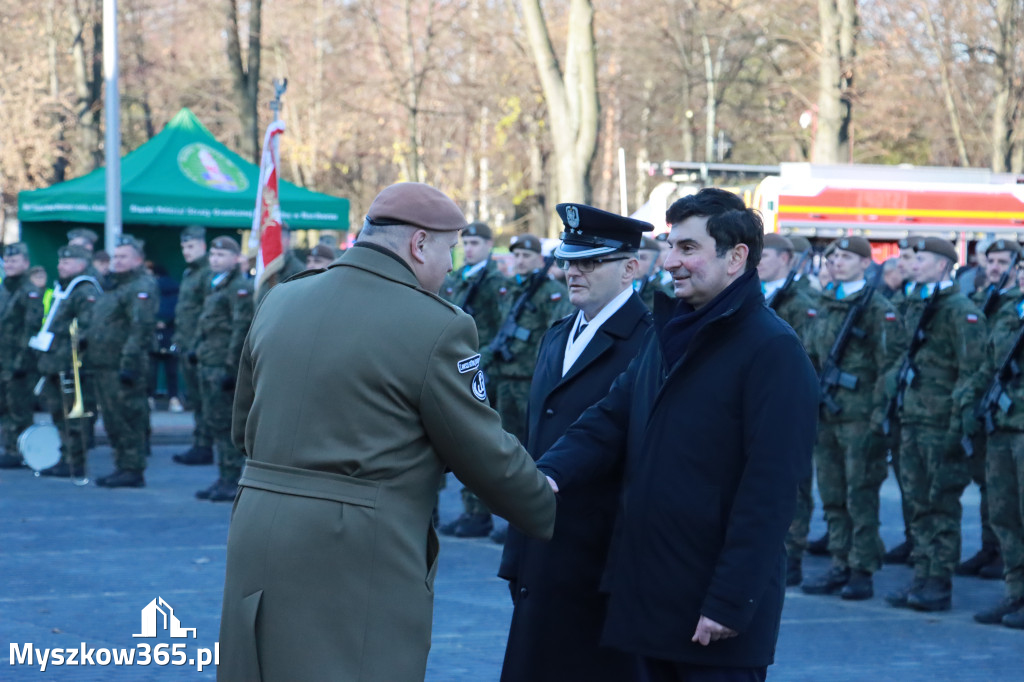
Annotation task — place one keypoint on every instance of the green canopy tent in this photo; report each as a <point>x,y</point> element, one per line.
<point>183,176</point>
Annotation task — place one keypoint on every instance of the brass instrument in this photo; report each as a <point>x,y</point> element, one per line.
<point>78,409</point>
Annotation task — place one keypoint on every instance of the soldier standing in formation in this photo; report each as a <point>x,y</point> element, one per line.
<point>195,285</point>
<point>117,348</point>
<point>476,288</point>
<point>649,276</point>
<point>291,266</point>
<point>20,317</point>
<point>850,455</point>
<point>938,400</point>
<point>1005,465</point>
<point>220,332</point>
<point>320,256</point>
<point>55,364</point>
<point>998,293</point>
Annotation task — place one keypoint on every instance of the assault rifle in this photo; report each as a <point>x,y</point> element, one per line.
<point>995,396</point>
<point>467,302</point>
<point>510,328</point>
<point>780,294</point>
<point>991,301</point>
<point>907,373</point>
<point>832,374</point>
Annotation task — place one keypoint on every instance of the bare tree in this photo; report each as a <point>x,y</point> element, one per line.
<point>84,16</point>
<point>838,24</point>
<point>245,74</point>
<point>1004,110</point>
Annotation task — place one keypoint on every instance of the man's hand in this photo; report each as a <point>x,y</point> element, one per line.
<point>551,482</point>
<point>709,631</point>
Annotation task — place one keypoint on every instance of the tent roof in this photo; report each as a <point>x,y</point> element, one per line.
<point>182,176</point>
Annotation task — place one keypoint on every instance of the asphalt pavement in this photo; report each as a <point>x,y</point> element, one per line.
<point>79,565</point>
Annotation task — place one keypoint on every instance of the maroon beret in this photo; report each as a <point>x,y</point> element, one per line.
<point>416,204</point>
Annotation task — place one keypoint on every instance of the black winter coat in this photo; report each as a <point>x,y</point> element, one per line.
<point>714,448</point>
<point>556,624</point>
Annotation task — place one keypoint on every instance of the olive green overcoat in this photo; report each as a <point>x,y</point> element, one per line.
<point>356,389</point>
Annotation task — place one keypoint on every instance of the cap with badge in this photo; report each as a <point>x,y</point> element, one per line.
<point>225,243</point>
<point>134,242</point>
<point>938,246</point>
<point>525,241</point>
<point>74,251</point>
<point>482,230</point>
<point>800,244</point>
<point>855,245</point>
<point>649,244</point>
<point>416,204</point>
<point>83,233</point>
<point>1003,245</point>
<point>591,232</point>
<point>16,249</point>
<point>193,232</point>
<point>776,242</point>
<point>323,252</point>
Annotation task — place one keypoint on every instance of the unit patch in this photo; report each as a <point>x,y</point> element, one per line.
<point>480,387</point>
<point>469,364</point>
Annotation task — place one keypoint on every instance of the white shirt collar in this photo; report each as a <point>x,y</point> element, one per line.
<point>927,289</point>
<point>470,271</point>
<point>573,349</point>
<point>850,288</point>
<point>771,287</point>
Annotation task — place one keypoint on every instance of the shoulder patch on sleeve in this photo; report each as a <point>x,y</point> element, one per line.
<point>972,318</point>
<point>33,294</point>
<point>890,316</point>
<point>479,387</point>
<point>812,312</point>
<point>143,295</point>
<point>469,364</point>
<point>502,291</point>
<point>556,296</point>
<point>242,293</point>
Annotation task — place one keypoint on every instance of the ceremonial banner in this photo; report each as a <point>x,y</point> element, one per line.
<point>266,222</point>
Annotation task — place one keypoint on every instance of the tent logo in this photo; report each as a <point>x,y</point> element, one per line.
<point>206,166</point>
<point>151,621</point>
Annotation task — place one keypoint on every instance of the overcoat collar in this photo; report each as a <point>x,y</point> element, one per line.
<point>617,327</point>
<point>380,261</point>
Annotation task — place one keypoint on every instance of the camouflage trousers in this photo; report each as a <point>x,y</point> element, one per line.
<point>934,472</point>
<point>850,462</point>
<point>125,412</point>
<point>1005,472</point>
<point>800,527</point>
<point>16,401</point>
<point>193,401</point>
<point>976,465</point>
<point>73,432</point>
<point>894,454</point>
<point>217,412</point>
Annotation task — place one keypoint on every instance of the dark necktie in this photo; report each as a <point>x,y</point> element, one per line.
<point>579,330</point>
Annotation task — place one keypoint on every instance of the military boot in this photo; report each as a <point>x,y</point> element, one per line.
<point>993,570</point>
<point>196,455</point>
<point>994,615</point>
<point>1015,620</point>
<point>794,571</point>
<point>827,583</point>
<point>205,494</point>
<point>225,491</point>
<point>936,595</point>
<point>899,554</point>
<point>62,470</point>
<point>859,588</point>
<point>122,479</point>
<point>818,547</point>
<point>901,598</point>
<point>986,555</point>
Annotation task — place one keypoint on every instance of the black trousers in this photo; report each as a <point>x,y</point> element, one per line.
<point>657,670</point>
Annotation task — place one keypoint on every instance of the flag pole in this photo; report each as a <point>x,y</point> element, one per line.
<point>112,107</point>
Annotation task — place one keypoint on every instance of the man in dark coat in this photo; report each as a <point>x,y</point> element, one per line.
<point>559,611</point>
<point>715,423</point>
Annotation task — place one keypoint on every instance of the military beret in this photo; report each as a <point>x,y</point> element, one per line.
<point>190,232</point>
<point>329,239</point>
<point>416,204</point>
<point>829,250</point>
<point>800,244</point>
<point>323,251</point>
<point>774,240</point>
<point>591,232</point>
<point>101,256</point>
<point>525,241</point>
<point>134,242</point>
<point>938,246</point>
<point>663,237</point>
<point>482,230</point>
<point>16,249</point>
<point>1003,245</point>
<point>83,233</point>
<point>74,251</point>
<point>649,244</point>
<point>226,243</point>
<point>908,242</point>
<point>856,245</point>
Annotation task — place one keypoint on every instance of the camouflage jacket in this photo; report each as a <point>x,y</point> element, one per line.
<point>224,322</point>
<point>78,305</point>
<point>195,284</point>
<point>486,304</point>
<point>122,332</point>
<point>549,303</point>
<point>869,356</point>
<point>798,307</point>
<point>1007,302</point>
<point>946,366</point>
<point>20,317</point>
<point>291,267</point>
<point>1006,325</point>
<point>647,287</point>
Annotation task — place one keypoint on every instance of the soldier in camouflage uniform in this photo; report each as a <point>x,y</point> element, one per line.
<point>938,411</point>
<point>649,277</point>
<point>292,265</point>
<point>56,363</point>
<point>220,333</point>
<point>998,258</point>
<point>117,347</point>
<point>195,284</point>
<point>850,455</point>
<point>514,372</point>
<point>1005,465</point>
<point>19,320</point>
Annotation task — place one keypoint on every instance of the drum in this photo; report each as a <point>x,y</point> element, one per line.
<point>40,446</point>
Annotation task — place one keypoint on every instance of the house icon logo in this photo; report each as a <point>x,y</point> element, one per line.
<point>159,615</point>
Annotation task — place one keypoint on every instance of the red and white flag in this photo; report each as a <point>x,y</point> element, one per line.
<point>265,237</point>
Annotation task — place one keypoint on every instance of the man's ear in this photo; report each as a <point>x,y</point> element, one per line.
<point>632,269</point>
<point>418,245</point>
<point>738,258</point>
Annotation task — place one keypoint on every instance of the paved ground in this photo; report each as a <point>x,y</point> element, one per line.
<point>77,564</point>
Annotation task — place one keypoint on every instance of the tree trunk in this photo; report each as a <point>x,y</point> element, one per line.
<point>88,80</point>
<point>838,24</point>
<point>1007,18</point>
<point>947,85</point>
<point>245,76</point>
<point>60,162</point>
